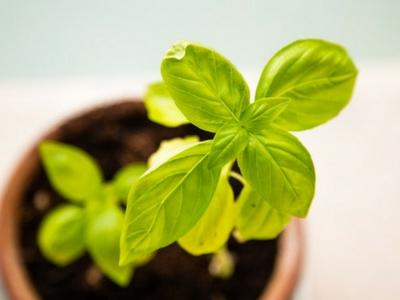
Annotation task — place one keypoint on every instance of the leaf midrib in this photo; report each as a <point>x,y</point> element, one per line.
<point>265,147</point>
<point>204,83</point>
<point>167,196</point>
<point>302,84</point>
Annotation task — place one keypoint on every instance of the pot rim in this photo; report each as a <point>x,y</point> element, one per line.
<point>16,280</point>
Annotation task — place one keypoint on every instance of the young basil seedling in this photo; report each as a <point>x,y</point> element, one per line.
<point>93,220</point>
<point>186,197</point>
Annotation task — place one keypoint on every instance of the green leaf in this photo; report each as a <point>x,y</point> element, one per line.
<point>229,141</point>
<point>104,196</point>
<point>71,171</point>
<point>260,114</point>
<point>102,238</point>
<point>169,148</point>
<point>256,219</point>
<point>317,75</point>
<point>212,231</point>
<point>161,108</point>
<point>61,236</point>
<point>167,202</point>
<point>206,87</point>
<point>126,177</point>
<point>280,169</point>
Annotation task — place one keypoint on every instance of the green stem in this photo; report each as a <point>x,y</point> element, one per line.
<point>238,177</point>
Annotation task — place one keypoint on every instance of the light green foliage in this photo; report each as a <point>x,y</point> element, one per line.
<point>256,219</point>
<point>167,202</point>
<point>68,230</point>
<point>206,87</point>
<point>161,107</point>
<point>102,237</point>
<point>212,231</point>
<point>126,177</point>
<point>280,169</point>
<point>317,75</point>
<point>305,84</point>
<point>260,114</point>
<point>229,141</point>
<point>170,148</point>
<point>71,171</point>
<point>61,236</point>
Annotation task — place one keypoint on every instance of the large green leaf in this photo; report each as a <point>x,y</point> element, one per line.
<point>212,231</point>
<point>229,141</point>
<point>72,172</point>
<point>317,75</point>
<point>277,166</point>
<point>206,87</point>
<point>161,108</point>
<point>256,219</point>
<point>126,177</point>
<point>102,238</point>
<point>61,237</point>
<point>167,202</point>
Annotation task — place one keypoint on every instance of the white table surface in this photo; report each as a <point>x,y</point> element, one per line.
<point>353,236</point>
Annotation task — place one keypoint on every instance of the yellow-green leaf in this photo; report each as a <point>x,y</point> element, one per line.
<point>206,87</point>
<point>280,169</point>
<point>167,202</point>
<point>61,236</point>
<point>102,237</point>
<point>72,172</point>
<point>212,231</point>
<point>169,148</point>
<point>126,177</point>
<point>256,219</point>
<point>161,108</point>
<point>317,75</point>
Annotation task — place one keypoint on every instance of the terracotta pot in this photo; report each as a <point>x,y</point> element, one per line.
<point>17,282</point>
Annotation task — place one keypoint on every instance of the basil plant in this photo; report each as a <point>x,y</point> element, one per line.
<point>93,219</point>
<point>186,197</point>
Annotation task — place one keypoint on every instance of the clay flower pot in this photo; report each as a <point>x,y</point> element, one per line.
<point>20,284</point>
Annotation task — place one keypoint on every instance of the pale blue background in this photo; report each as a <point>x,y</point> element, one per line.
<point>49,38</point>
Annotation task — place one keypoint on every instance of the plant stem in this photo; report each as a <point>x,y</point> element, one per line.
<point>238,177</point>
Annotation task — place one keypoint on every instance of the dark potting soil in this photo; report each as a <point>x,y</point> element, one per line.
<point>115,136</point>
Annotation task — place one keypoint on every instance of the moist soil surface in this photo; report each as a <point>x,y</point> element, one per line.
<point>116,135</point>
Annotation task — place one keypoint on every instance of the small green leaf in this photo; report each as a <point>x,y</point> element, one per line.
<point>260,114</point>
<point>206,87</point>
<point>256,219</point>
<point>71,171</point>
<point>212,231</point>
<point>229,141</point>
<point>126,177</point>
<point>317,75</point>
<point>161,107</point>
<point>102,238</point>
<point>169,148</point>
<point>104,196</point>
<point>167,202</point>
<point>280,169</point>
<point>61,237</point>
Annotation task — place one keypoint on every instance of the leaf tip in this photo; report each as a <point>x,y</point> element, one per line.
<point>177,50</point>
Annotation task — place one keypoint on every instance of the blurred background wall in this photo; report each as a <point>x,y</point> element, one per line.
<point>47,38</point>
